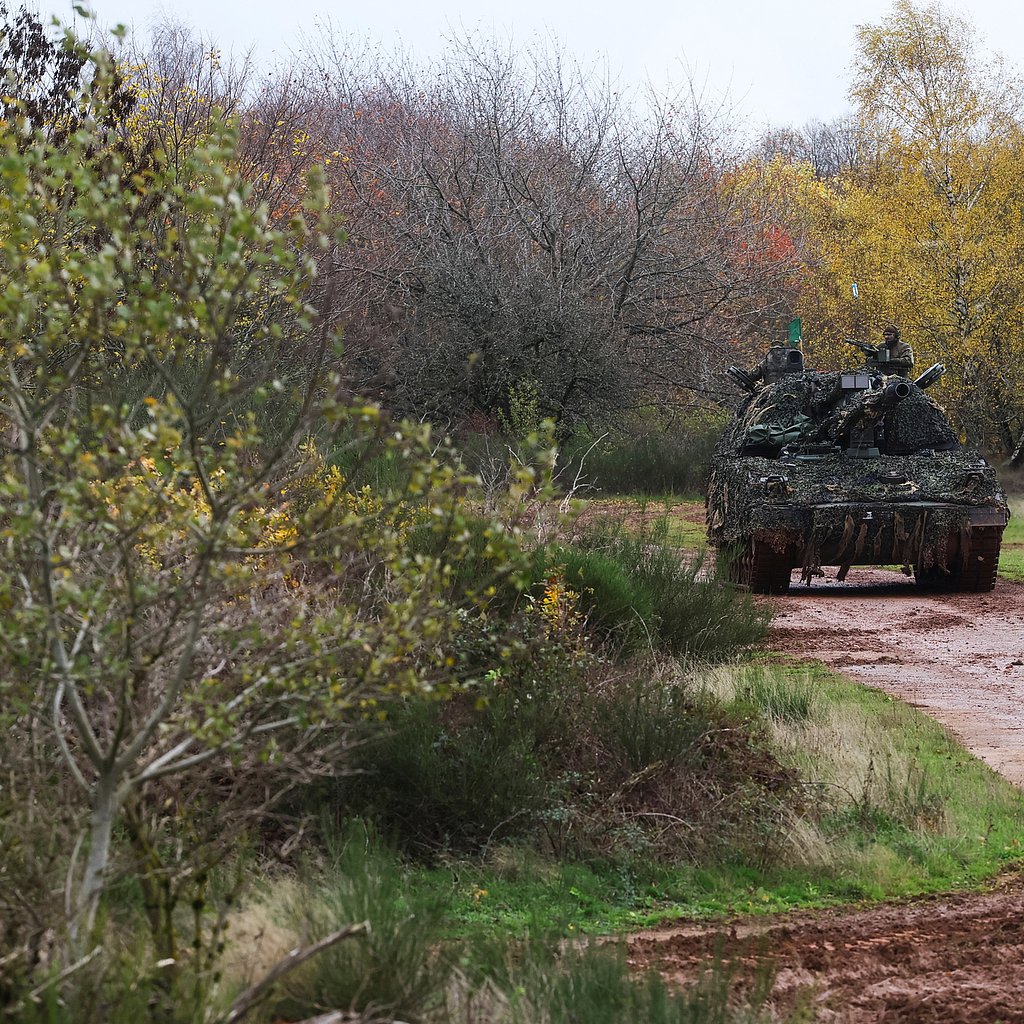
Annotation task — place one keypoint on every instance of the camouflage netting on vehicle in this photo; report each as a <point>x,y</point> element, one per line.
<point>916,424</point>
<point>813,408</point>
<point>914,539</point>
<point>849,469</point>
<point>958,476</point>
<point>746,494</point>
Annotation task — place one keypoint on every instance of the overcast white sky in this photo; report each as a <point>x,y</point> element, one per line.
<point>778,63</point>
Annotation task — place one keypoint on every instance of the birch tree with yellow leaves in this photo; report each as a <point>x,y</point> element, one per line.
<point>931,228</point>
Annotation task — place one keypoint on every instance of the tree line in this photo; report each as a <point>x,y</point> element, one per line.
<point>513,221</point>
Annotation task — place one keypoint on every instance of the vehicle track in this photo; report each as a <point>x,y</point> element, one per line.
<point>948,960</point>
<point>958,657</point>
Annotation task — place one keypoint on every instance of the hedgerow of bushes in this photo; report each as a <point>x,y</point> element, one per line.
<point>648,453</point>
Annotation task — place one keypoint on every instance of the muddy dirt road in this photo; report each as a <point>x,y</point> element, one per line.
<point>949,960</point>
<point>959,657</point>
<point>954,959</point>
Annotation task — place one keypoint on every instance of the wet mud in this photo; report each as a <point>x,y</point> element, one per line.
<point>955,959</point>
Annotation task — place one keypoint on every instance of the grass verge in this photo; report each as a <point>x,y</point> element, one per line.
<point>409,966</point>
<point>1011,556</point>
<point>888,806</point>
<point>891,806</point>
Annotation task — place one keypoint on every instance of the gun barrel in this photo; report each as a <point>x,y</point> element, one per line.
<point>871,350</point>
<point>894,392</point>
<point>930,376</point>
<point>864,408</point>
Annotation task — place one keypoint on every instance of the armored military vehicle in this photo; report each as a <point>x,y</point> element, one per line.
<point>849,468</point>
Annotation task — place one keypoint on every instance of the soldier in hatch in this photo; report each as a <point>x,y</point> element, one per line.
<point>895,356</point>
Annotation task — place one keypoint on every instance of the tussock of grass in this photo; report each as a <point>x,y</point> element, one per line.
<point>257,937</point>
<point>408,966</point>
<point>639,591</point>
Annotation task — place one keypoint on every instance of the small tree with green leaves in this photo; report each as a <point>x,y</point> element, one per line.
<point>181,592</point>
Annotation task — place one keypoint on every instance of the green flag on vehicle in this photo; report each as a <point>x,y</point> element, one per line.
<point>796,332</point>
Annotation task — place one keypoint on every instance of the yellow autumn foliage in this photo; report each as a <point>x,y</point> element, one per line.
<point>931,229</point>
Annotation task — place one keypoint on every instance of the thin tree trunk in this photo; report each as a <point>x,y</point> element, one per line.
<point>103,812</point>
<point>1017,458</point>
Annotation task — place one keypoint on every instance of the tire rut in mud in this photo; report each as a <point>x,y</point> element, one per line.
<point>951,959</point>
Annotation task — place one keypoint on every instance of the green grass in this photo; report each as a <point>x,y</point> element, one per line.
<point>687,526</point>
<point>893,807</point>
<point>604,898</point>
<point>640,588</point>
<point>413,965</point>
<point>1011,557</point>
<point>654,456</point>
<point>684,516</point>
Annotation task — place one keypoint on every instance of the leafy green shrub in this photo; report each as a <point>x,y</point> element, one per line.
<point>681,609</point>
<point>468,547</point>
<point>645,722</point>
<point>617,603</point>
<point>477,768</point>
<point>573,756</point>
<point>433,783</point>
